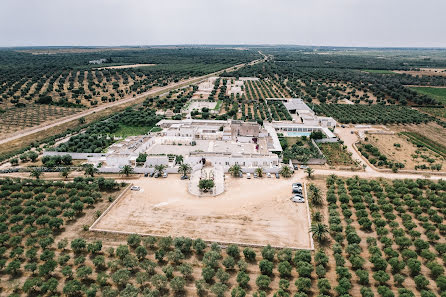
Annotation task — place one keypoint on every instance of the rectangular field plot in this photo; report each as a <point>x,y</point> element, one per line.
<point>252,212</point>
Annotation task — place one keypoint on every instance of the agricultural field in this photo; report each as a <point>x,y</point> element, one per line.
<point>250,106</point>
<point>424,72</point>
<point>383,238</point>
<point>439,113</point>
<point>388,237</point>
<point>14,119</point>
<point>421,141</point>
<point>334,76</point>
<point>34,214</point>
<point>372,114</point>
<point>378,71</point>
<point>436,93</point>
<point>390,150</point>
<point>68,81</point>
<point>98,136</point>
<point>38,258</point>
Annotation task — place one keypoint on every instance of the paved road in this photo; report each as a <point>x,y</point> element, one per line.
<point>179,84</point>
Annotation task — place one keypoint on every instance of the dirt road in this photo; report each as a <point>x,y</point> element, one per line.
<point>179,84</point>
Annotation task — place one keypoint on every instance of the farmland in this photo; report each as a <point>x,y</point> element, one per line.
<point>14,119</point>
<point>251,105</point>
<point>385,236</point>
<point>437,93</point>
<point>379,71</point>
<point>68,81</point>
<point>381,236</point>
<point>374,114</point>
<point>333,77</point>
<point>393,150</point>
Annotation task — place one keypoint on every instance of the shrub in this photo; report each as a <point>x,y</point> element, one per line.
<point>303,284</point>
<point>243,279</point>
<point>421,282</point>
<point>229,262</point>
<point>233,251</point>
<point>238,292</point>
<point>284,269</point>
<point>441,282</point>
<point>381,277</point>
<point>266,267</point>
<point>324,286</point>
<point>414,266</point>
<point>208,273</point>
<point>177,284</point>
<point>304,269</point>
<point>263,282</point>
<point>250,254</point>
<point>268,253</point>
<point>363,276</point>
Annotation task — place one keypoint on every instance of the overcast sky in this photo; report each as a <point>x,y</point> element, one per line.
<point>399,23</point>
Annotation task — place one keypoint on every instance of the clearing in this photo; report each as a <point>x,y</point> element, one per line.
<point>399,149</point>
<point>251,212</point>
<point>337,154</point>
<point>125,66</point>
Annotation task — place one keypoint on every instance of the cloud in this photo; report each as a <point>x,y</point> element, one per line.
<point>150,22</point>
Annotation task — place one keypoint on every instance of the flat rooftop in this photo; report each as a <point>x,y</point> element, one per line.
<point>209,146</point>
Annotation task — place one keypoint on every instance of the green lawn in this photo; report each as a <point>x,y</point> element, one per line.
<point>125,131</point>
<point>378,71</point>
<point>217,107</point>
<point>436,93</point>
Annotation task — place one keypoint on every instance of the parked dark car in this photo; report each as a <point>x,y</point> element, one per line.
<point>146,174</point>
<point>277,175</point>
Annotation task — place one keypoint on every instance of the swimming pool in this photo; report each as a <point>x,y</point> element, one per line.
<point>298,134</point>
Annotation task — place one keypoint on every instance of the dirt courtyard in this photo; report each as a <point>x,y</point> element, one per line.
<point>255,211</point>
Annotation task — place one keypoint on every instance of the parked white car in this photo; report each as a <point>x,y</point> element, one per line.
<point>268,175</point>
<point>297,188</point>
<point>297,199</point>
<point>248,175</point>
<point>165,174</point>
<point>135,188</point>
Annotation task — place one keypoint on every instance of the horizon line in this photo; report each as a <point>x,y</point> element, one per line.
<point>223,44</point>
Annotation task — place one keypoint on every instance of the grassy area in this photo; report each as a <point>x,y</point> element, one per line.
<point>436,112</point>
<point>436,93</point>
<point>125,131</point>
<point>292,140</point>
<point>336,154</point>
<point>378,71</point>
<point>156,129</point>
<point>422,141</point>
<point>217,107</point>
